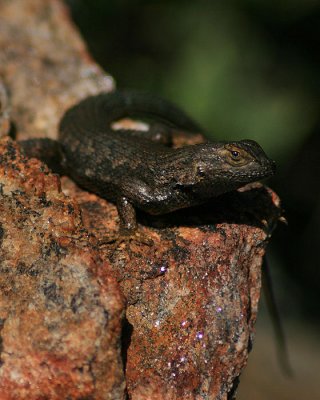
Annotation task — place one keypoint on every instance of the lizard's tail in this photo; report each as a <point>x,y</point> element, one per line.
<point>282,350</point>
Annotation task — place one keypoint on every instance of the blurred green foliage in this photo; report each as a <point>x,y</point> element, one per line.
<point>229,63</point>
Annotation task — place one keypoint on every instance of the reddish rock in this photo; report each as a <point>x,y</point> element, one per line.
<point>60,309</point>
<point>193,295</point>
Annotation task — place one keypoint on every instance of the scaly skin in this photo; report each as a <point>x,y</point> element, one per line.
<point>135,172</point>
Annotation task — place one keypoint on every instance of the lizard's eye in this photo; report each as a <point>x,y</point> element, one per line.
<point>235,155</point>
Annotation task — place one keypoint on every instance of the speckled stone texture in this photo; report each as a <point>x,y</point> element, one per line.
<point>192,296</point>
<point>44,65</point>
<point>60,308</point>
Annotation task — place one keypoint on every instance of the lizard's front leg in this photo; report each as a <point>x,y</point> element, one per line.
<point>128,230</point>
<point>127,216</point>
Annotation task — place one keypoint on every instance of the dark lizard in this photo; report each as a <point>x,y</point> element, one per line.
<point>139,169</point>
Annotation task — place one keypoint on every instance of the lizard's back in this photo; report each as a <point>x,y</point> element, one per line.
<point>100,158</point>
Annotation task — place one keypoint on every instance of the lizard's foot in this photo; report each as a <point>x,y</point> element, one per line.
<point>115,241</point>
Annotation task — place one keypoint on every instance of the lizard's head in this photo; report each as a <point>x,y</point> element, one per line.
<point>220,167</point>
<point>245,161</point>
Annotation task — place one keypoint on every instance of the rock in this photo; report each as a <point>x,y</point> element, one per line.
<point>192,296</point>
<point>44,65</point>
<point>60,308</point>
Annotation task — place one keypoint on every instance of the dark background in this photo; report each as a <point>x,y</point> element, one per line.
<point>243,69</point>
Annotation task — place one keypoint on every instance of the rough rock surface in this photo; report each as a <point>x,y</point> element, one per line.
<point>60,308</point>
<point>193,295</point>
<point>44,65</point>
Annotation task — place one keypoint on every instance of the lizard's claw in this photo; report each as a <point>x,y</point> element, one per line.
<point>114,242</point>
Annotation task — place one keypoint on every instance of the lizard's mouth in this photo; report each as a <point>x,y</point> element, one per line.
<point>265,171</point>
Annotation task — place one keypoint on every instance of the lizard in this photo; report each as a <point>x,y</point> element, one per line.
<point>140,169</point>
